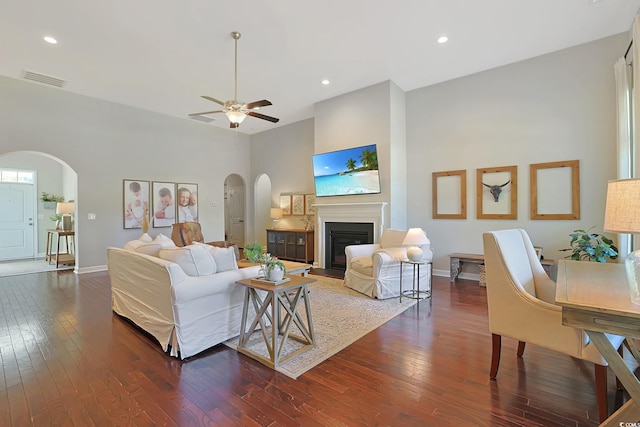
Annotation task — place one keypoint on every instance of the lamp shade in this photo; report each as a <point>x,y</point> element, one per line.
<point>236,116</point>
<point>622,212</point>
<point>276,213</point>
<point>622,215</point>
<point>65,208</point>
<point>415,237</point>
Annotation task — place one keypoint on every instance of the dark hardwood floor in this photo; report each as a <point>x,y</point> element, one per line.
<point>68,361</point>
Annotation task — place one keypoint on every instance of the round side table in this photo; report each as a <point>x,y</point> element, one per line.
<point>415,291</point>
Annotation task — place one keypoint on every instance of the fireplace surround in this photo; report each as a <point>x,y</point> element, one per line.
<point>370,212</point>
<point>339,235</point>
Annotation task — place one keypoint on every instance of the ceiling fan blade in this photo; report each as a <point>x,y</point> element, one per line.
<point>234,125</point>
<point>213,99</point>
<point>206,112</point>
<point>257,104</point>
<point>263,117</point>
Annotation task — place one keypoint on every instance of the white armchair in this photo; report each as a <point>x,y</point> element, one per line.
<point>521,302</point>
<point>374,269</point>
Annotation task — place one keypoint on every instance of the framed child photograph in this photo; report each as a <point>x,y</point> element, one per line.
<point>135,201</point>
<point>187,196</point>
<point>164,205</point>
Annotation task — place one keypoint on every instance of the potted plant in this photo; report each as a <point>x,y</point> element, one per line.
<point>253,251</point>
<point>273,268</point>
<point>50,200</point>
<point>587,246</point>
<point>57,218</point>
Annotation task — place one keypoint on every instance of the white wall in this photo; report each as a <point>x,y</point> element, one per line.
<point>559,106</point>
<point>106,142</point>
<point>284,155</point>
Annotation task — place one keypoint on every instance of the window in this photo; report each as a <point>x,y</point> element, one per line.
<point>19,176</point>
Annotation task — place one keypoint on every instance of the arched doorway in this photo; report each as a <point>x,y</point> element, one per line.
<point>234,210</point>
<point>52,176</point>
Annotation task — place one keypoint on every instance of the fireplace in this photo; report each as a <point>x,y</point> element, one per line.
<point>339,235</point>
<point>367,212</point>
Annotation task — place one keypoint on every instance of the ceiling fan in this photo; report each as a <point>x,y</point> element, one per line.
<point>235,110</point>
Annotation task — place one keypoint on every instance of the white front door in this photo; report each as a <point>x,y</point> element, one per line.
<point>16,221</point>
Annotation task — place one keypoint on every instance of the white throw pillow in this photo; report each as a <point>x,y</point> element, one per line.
<point>164,241</point>
<point>143,247</point>
<point>225,258</point>
<point>194,259</point>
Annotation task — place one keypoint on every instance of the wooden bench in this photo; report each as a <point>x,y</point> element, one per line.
<point>456,260</point>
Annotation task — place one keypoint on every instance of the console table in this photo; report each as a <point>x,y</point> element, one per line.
<point>456,260</point>
<point>595,297</point>
<point>292,245</point>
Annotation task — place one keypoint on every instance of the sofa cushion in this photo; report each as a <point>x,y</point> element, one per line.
<point>194,259</point>
<point>224,257</point>
<point>362,265</point>
<point>149,247</point>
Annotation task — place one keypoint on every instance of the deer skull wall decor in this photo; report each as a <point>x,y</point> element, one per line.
<point>495,190</point>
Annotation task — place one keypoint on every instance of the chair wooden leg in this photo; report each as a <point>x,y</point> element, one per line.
<point>601,391</point>
<point>496,341</point>
<point>521,348</point>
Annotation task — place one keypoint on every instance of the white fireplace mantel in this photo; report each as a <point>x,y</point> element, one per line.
<point>368,212</point>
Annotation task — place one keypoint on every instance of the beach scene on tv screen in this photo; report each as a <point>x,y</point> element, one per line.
<point>344,172</point>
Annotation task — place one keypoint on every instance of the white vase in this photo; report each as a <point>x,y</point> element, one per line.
<point>275,274</point>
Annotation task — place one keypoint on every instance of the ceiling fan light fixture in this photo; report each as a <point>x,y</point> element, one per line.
<point>236,116</point>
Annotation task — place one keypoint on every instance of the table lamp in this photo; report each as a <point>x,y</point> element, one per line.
<point>415,237</point>
<point>276,215</point>
<point>622,215</point>
<point>66,209</point>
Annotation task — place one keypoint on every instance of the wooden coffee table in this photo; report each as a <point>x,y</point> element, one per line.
<point>276,329</point>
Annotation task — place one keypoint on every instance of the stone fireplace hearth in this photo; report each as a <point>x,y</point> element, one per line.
<point>372,213</point>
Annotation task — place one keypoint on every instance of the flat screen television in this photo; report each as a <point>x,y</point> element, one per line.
<point>347,172</point>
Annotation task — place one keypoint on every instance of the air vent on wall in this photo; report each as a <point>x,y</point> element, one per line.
<point>202,119</point>
<point>42,78</point>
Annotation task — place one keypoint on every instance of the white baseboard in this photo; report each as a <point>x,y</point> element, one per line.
<point>93,269</point>
<point>465,276</point>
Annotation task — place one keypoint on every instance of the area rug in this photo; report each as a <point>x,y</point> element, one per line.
<point>341,316</point>
<point>14,268</point>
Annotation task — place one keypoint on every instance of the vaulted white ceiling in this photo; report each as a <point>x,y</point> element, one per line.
<point>161,55</point>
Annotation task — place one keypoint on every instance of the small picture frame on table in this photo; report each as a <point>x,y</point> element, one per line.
<point>538,252</point>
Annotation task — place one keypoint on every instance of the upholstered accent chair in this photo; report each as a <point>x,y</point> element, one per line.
<point>374,269</point>
<point>521,301</point>
<point>185,233</point>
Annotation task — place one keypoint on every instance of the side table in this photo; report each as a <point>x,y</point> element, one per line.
<point>276,330</point>
<point>415,291</point>
<point>53,236</point>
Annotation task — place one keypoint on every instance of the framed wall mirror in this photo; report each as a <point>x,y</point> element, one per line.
<point>497,193</point>
<point>449,194</point>
<point>555,190</point>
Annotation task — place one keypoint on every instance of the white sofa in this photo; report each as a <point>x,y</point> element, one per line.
<point>374,269</point>
<point>179,295</point>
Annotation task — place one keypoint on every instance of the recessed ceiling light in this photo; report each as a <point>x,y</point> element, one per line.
<point>325,82</point>
<point>50,39</point>
<point>443,39</point>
